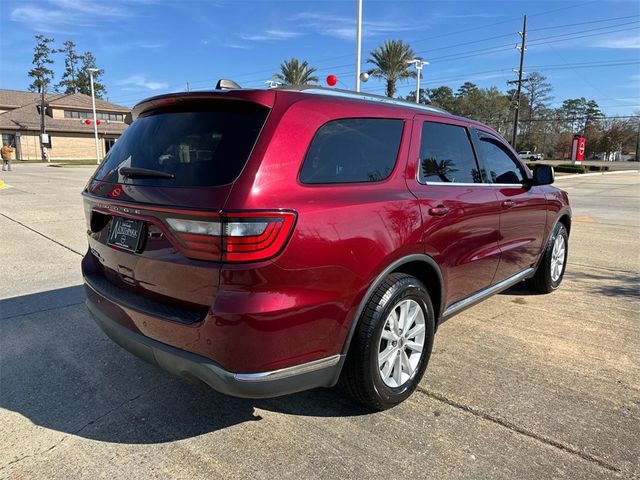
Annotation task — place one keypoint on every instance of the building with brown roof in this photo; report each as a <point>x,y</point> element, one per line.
<point>71,136</point>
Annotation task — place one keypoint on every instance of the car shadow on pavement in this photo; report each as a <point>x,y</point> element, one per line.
<point>608,283</point>
<point>61,372</point>
<point>602,283</point>
<point>520,290</point>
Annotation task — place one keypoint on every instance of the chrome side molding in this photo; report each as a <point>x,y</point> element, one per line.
<point>477,297</point>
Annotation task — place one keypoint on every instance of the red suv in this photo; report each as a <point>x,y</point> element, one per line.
<point>271,241</point>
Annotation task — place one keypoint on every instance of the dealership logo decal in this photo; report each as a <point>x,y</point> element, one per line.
<point>116,192</point>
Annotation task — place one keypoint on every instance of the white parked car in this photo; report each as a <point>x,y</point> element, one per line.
<point>527,155</point>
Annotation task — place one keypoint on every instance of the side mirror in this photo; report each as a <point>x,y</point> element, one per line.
<point>543,175</point>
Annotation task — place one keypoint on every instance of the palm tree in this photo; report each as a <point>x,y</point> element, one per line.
<point>390,60</point>
<point>294,72</point>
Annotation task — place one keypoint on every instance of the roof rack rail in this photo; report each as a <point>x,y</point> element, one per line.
<point>338,92</point>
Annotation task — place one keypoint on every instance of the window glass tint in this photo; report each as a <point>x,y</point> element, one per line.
<point>446,155</point>
<point>499,166</point>
<point>353,150</point>
<point>200,147</point>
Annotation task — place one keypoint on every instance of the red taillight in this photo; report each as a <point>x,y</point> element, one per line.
<point>233,237</point>
<point>254,236</point>
<point>199,238</point>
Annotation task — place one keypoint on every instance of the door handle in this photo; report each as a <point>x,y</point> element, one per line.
<point>439,211</point>
<point>508,204</point>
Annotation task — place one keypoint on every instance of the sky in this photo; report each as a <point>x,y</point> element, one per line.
<point>147,47</point>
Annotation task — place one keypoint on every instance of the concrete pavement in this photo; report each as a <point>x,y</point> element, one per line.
<point>521,386</point>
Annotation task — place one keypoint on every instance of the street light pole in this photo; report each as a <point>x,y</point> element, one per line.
<point>93,104</point>
<point>419,64</point>
<point>358,44</point>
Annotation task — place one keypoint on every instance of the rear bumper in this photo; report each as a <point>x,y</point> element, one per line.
<point>319,373</point>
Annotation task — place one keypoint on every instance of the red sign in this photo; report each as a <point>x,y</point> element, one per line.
<point>577,148</point>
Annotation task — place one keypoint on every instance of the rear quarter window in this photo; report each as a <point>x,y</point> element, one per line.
<point>353,150</point>
<point>201,145</point>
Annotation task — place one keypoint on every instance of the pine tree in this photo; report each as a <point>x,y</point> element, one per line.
<point>83,81</point>
<point>69,82</point>
<point>41,73</point>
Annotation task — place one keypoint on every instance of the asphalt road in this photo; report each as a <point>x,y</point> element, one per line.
<point>522,386</point>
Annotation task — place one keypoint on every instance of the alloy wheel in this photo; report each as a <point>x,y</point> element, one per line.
<point>401,343</point>
<point>558,257</point>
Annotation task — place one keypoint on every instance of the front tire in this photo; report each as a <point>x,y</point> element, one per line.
<point>551,269</point>
<point>391,345</point>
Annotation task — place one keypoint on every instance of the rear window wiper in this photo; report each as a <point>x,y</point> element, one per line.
<point>133,172</point>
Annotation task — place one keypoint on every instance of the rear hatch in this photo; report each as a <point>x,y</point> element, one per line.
<point>153,207</point>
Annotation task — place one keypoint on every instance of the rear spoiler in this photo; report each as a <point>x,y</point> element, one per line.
<point>265,98</point>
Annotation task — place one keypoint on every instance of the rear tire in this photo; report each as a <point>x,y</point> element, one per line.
<point>392,344</point>
<point>551,269</point>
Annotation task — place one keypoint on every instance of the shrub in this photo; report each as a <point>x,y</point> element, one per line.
<point>598,168</point>
<point>569,168</point>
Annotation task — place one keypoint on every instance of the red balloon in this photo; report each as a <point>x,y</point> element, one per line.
<point>332,80</point>
<point>98,122</point>
<point>87,122</point>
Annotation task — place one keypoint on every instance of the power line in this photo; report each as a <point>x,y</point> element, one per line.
<point>451,57</point>
<point>603,20</point>
<point>536,42</point>
<point>473,42</point>
<point>472,53</point>
<point>480,40</point>
<point>583,78</point>
<point>585,31</point>
<point>539,68</point>
<point>241,75</point>
<point>509,46</point>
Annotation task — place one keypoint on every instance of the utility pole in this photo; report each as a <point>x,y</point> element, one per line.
<point>419,64</point>
<point>42,130</point>
<point>358,44</point>
<point>637,159</point>
<point>522,47</point>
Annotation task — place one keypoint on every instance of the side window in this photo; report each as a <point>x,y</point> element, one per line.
<point>500,166</point>
<point>353,150</point>
<point>446,155</point>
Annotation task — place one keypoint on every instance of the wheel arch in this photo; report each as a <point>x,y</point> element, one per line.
<point>565,219</point>
<point>430,275</point>
<point>421,266</point>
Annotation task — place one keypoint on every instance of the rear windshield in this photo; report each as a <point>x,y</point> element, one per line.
<point>201,147</point>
